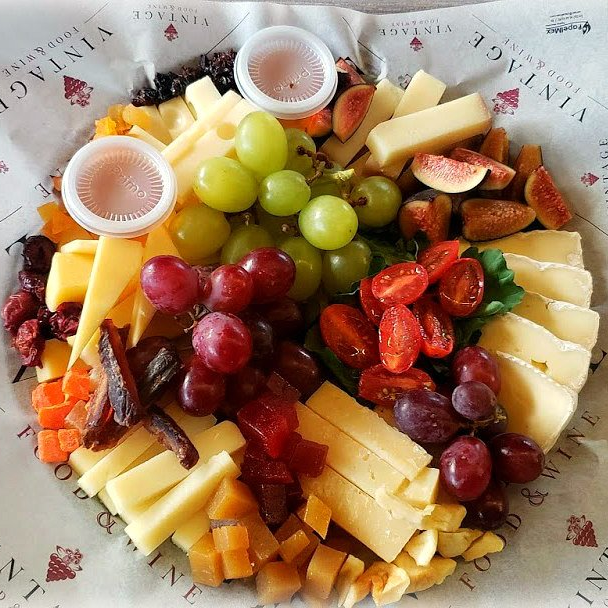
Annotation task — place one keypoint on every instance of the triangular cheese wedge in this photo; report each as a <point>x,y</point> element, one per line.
<point>158,243</point>
<point>116,261</point>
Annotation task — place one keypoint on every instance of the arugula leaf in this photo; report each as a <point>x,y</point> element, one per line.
<point>347,377</point>
<point>385,253</point>
<point>501,294</point>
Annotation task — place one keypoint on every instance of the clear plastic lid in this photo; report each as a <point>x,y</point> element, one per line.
<point>286,71</point>
<point>119,186</point>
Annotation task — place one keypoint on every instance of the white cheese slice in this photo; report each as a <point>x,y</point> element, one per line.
<point>555,281</point>
<point>176,115</point>
<point>200,96</point>
<point>557,246</point>
<point>139,133</point>
<point>190,532</point>
<point>401,509</point>
<point>431,130</point>
<point>565,362</point>
<point>176,507</point>
<point>366,427</point>
<point>567,321</point>
<point>359,514</point>
<point>537,405</point>
<point>424,91</point>
<point>82,459</point>
<point>348,457</point>
<point>385,100</point>
<point>132,512</point>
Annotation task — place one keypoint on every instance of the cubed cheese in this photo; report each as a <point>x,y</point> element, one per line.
<point>422,490</point>
<point>567,321</point>
<point>81,246</point>
<point>176,116</point>
<point>54,361</point>
<point>149,119</point>
<point>190,532</point>
<point>537,405</point>
<point>424,91</point>
<point>200,96</point>
<point>68,279</point>
<point>565,362</point>
<point>555,281</point>
<point>431,130</point>
<point>367,428</point>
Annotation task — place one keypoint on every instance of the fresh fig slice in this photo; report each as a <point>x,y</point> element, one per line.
<point>348,76</point>
<point>319,124</point>
<point>350,110</point>
<point>499,175</point>
<point>484,219</point>
<point>446,174</point>
<point>543,196</point>
<point>495,145</point>
<point>428,212</point>
<point>529,158</point>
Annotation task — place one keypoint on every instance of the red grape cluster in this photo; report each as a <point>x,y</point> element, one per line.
<point>472,466</point>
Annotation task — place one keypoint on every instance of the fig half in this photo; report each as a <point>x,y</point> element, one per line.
<point>496,145</point>
<point>350,110</point>
<point>529,158</point>
<point>485,219</point>
<point>446,174</point>
<point>348,76</point>
<point>499,175</point>
<point>543,196</point>
<point>428,212</point>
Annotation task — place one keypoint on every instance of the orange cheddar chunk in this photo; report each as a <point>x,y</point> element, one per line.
<point>206,562</point>
<point>277,583</point>
<point>289,528</point>
<point>49,449</point>
<point>316,514</point>
<point>291,548</point>
<point>232,500</point>
<point>236,564</point>
<point>323,570</point>
<point>230,538</point>
<point>263,546</point>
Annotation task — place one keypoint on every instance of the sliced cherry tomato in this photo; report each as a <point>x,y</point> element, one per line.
<point>400,284</point>
<point>382,388</point>
<point>350,335</point>
<point>437,258</point>
<point>399,339</point>
<point>372,307</point>
<point>436,327</point>
<point>461,287</point>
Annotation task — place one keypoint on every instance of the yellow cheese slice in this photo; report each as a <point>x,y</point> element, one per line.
<point>424,91</point>
<point>176,507</point>
<point>359,514</point>
<point>68,279</point>
<point>430,130</point>
<point>107,501</point>
<point>139,133</point>
<point>358,165</point>
<point>190,532</point>
<point>176,115</point>
<point>132,512</point>
<point>149,119</point>
<point>115,263</point>
<point>82,246</point>
<point>422,490</point>
<point>366,427</point>
<point>54,361</point>
<point>158,242</point>
<point>82,459</point>
<point>385,100</point>
<point>392,170</point>
<point>200,96</point>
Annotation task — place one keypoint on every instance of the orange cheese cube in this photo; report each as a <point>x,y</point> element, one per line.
<point>316,514</point>
<point>236,564</point>
<point>230,538</point>
<point>291,548</point>
<point>276,583</point>
<point>206,562</point>
<point>263,546</point>
<point>289,528</point>
<point>323,570</point>
<point>232,500</point>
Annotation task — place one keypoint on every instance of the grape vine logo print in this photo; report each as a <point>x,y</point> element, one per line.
<point>78,92</point>
<point>506,102</point>
<point>581,532</point>
<point>63,564</point>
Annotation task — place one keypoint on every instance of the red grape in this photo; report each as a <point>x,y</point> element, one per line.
<point>297,366</point>
<point>203,273</point>
<point>466,468</point>
<point>426,416</point>
<point>474,401</point>
<point>170,284</point>
<point>223,342</point>
<point>496,426</point>
<point>272,270</point>
<point>262,336</point>
<point>490,510</point>
<point>284,315</point>
<point>18,308</point>
<point>517,458</point>
<point>244,386</point>
<point>202,390</point>
<point>476,363</point>
<point>229,288</point>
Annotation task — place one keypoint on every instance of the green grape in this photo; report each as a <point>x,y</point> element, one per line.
<point>302,163</point>
<point>278,227</point>
<point>198,232</point>
<point>225,184</point>
<point>243,240</point>
<point>284,193</point>
<point>345,266</point>
<point>383,199</point>
<point>328,222</point>
<point>261,143</point>
<point>308,267</point>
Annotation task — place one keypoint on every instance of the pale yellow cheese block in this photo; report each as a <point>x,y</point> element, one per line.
<point>158,242</point>
<point>68,279</point>
<point>149,119</point>
<point>431,130</point>
<point>351,570</point>
<point>401,509</point>
<point>107,501</point>
<point>358,165</point>
<point>200,96</point>
<point>132,512</point>
<point>424,91</point>
<point>139,133</point>
<point>366,427</point>
<point>81,246</point>
<point>348,457</point>
<point>392,170</point>
<point>82,459</point>
<point>54,361</point>
<point>176,507</point>
<point>422,490</point>
<point>385,100</point>
<point>359,514</point>
<point>176,115</point>
<point>114,264</point>
<point>190,532</point>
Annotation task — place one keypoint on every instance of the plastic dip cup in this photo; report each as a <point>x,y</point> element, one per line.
<point>119,186</point>
<point>286,71</point>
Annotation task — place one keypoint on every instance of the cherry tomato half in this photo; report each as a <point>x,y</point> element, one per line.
<point>400,284</point>
<point>399,339</point>
<point>436,327</point>
<point>382,388</point>
<point>350,335</point>
<point>372,307</point>
<point>461,287</point>
<point>437,258</point>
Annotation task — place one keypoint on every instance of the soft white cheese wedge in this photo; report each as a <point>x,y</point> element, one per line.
<point>565,362</point>
<point>566,321</point>
<point>555,281</point>
<point>537,405</point>
<point>558,246</point>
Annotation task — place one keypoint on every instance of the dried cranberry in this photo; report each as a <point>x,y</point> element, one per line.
<point>33,282</point>
<point>178,86</point>
<point>64,322</point>
<point>29,343</point>
<point>38,253</point>
<point>146,96</point>
<point>191,74</point>
<point>163,84</point>
<point>18,308</point>
<point>44,317</point>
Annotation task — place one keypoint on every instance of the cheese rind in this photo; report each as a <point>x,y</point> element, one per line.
<point>424,91</point>
<point>555,281</point>
<point>565,362</point>
<point>176,115</point>
<point>367,428</point>
<point>537,406</point>
<point>431,130</point>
